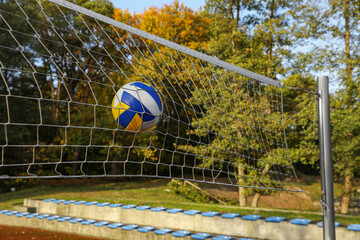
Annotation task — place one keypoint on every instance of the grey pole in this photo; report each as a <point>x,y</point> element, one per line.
<point>326,170</point>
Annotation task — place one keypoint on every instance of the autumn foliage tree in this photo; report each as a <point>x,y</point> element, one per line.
<point>178,24</point>
<point>174,22</point>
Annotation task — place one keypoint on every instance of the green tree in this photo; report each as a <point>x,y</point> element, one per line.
<point>71,57</point>
<point>333,28</point>
<point>330,30</point>
<point>50,67</point>
<point>255,35</point>
<point>345,145</point>
<point>244,129</point>
<point>16,83</point>
<point>301,118</point>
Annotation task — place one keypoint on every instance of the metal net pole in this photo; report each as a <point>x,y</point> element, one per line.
<point>327,191</point>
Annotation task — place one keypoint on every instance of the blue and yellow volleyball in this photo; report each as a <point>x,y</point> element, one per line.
<point>137,106</point>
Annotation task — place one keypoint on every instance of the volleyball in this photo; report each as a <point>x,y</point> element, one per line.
<point>137,106</point>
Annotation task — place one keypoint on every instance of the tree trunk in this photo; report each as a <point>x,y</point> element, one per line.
<point>242,197</point>
<point>231,15</point>
<point>257,195</point>
<point>345,201</point>
<point>347,44</point>
<point>237,12</point>
<point>242,194</point>
<point>271,41</point>
<point>256,199</point>
<point>114,165</point>
<point>75,165</point>
<point>58,92</point>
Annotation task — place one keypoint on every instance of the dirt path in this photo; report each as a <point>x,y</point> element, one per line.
<point>21,233</point>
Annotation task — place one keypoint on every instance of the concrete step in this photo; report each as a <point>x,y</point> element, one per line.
<point>214,224</point>
<point>22,208</point>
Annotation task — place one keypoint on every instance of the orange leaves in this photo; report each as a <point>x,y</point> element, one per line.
<point>125,16</point>
<point>174,22</point>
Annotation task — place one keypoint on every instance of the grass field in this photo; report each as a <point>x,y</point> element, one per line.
<point>155,192</point>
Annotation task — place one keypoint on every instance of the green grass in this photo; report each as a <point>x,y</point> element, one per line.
<point>151,192</point>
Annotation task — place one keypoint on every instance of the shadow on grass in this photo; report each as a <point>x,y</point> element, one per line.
<point>85,185</point>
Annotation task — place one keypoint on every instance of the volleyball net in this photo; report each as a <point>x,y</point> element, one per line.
<point>61,66</point>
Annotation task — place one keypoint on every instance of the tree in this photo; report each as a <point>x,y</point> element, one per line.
<point>345,145</point>
<point>51,66</point>
<point>254,35</point>
<point>330,31</point>
<point>16,82</point>
<point>160,66</point>
<point>72,62</point>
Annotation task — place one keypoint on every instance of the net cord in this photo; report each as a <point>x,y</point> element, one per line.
<point>167,43</point>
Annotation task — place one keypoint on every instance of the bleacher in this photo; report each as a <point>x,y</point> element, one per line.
<point>118,221</point>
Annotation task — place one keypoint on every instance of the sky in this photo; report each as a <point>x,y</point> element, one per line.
<point>139,5</point>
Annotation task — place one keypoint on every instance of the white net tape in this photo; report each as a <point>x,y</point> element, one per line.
<point>61,66</point>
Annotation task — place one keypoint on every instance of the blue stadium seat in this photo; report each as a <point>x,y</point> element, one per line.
<point>230,215</point>
<point>300,221</point>
<point>145,229</point>
<point>101,223</point>
<point>192,212</point>
<point>79,202</point>
<point>59,201</point>
<point>115,225</point>
<point>181,233</point>
<point>53,217</point>
<point>274,219</point>
<point>162,231</point>
<point>3,211</point>
<point>320,224</point>
<point>200,236</point>
<point>210,214</point>
<point>104,204</point>
<point>64,219</point>
<point>49,200</point>
<point>69,202</point>
<point>75,220</point>
<point>251,217</point>
<point>354,227</point>
<point>10,213</point>
<point>129,227</point>
<point>222,237</point>
<point>130,206</point>
<point>115,205</point>
<point>174,210</point>
<point>22,214</point>
<point>42,216</point>
<point>158,209</point>
<point>88,222</point>
<point>32,215</point>
<point>142,208</point>
<point>91,203</point>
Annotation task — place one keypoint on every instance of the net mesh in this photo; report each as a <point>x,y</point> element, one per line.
<point>61,66</point>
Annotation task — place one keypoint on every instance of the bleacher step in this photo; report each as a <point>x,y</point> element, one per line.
<point>21,208</point>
